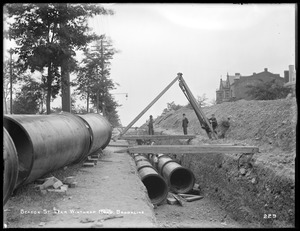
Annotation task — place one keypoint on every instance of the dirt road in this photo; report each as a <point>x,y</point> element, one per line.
<point>109,194</point>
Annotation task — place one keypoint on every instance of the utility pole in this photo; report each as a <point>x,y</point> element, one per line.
<point>65,85</point>
<point>98,92</point>
<point>65,82</point>
<point>88,97</point>
<point>102,76</point>
<point>10,67</point>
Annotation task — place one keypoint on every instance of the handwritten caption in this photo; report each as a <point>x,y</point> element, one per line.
<point>74,211</point>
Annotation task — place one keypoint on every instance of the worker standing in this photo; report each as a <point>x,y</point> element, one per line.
<point>224,127</point>
<point>207,129</point>
<point>185,123</point>
<point>150,126</point>
<point>214,122</point>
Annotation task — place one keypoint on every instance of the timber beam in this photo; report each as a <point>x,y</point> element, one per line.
<point>190,149</point>
<point>157,137</point>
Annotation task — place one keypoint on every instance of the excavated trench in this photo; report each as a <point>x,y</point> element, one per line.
<point>250,193</point>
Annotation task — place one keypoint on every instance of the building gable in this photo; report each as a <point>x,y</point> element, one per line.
<point>236,86</point>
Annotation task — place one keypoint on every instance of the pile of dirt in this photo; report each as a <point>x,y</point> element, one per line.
<point>262,187</point>
<point>268,124</point>
<point>267,121</point>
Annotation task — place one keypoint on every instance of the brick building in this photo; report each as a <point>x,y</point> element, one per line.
<point>290,75</point>
<point>235,86</point>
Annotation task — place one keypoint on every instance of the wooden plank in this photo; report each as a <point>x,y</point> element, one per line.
<point>158,137</point>
<point>186,195</point>
<point>88,165</point>
<point>172,201</point>
<point>194,198</point>
<point>146,109</point>
<point>118,143</point>
<point>189,149</point>
<point>179,199</point>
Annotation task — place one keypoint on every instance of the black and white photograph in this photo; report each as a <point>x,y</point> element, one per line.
<point>149,115</point>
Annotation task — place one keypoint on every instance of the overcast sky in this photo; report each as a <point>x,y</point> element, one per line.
<point>202,41</point>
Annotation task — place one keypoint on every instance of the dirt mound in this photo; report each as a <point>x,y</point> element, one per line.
<point>270,121</point>
<point>262,191</point>
<point>269,125</point>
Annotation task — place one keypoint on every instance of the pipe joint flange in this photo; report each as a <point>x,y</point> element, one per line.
<point>161,155</point>
<point>162,167</point>
<point>144,166</point>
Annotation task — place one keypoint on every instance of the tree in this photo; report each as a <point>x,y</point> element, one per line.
<point>47,36</point>
<point>7,85</point>
<point>111,112</point>
<point>93,79</point>
<point>28,100</point>
<point>201,101</point>
<point>172,106</point>
<point>270,90</point>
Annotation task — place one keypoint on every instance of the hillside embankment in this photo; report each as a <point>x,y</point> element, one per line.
<point>257,189</point>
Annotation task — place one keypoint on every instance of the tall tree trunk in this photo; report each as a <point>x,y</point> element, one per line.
<point>87,102</point>
<point>98,101</point>
<point>49,83</point>
<point>5,103</point>
<point>65,87</point>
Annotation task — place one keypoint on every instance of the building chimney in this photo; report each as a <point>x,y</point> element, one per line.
<point>254,73</point>
<point>237,74</point>
<point>266,69</point>
<point>286,76</point>
<point>291,73</point>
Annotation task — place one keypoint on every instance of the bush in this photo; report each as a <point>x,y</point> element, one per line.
<point>268,91</point>
<point>172,107</point>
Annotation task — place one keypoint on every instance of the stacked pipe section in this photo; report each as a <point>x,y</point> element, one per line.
<point>10,164</point>
<point>45,143</point>
<point>100,131</point>
<point>156,186</point>
<point>179,179</point>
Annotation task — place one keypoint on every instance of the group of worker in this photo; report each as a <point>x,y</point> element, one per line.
<point>213,121</point>
<point>214,124</point>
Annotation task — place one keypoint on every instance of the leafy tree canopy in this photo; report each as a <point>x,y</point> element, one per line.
<point>28,100</point>
<point>172,106</point>
<point>270,90</point>
<point>93,76</point>
<point>47,36</point>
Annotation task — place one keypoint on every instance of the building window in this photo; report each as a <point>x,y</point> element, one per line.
<point>227,95</point>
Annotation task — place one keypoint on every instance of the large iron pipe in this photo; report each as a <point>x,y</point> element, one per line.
<point>100,130</point>
<point>180,179</point>
<point>45,143</point>
<point>10,164</point>
<point>156,185</point>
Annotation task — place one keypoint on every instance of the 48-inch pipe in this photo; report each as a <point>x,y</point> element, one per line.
<point>100,131</point>
<point>156,185</point>
<point>45,143</point>
<point>180,179</point>
<point>10,164</point>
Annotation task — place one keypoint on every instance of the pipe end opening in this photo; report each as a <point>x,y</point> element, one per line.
<point>182,180</point>
<point>157,188</point>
